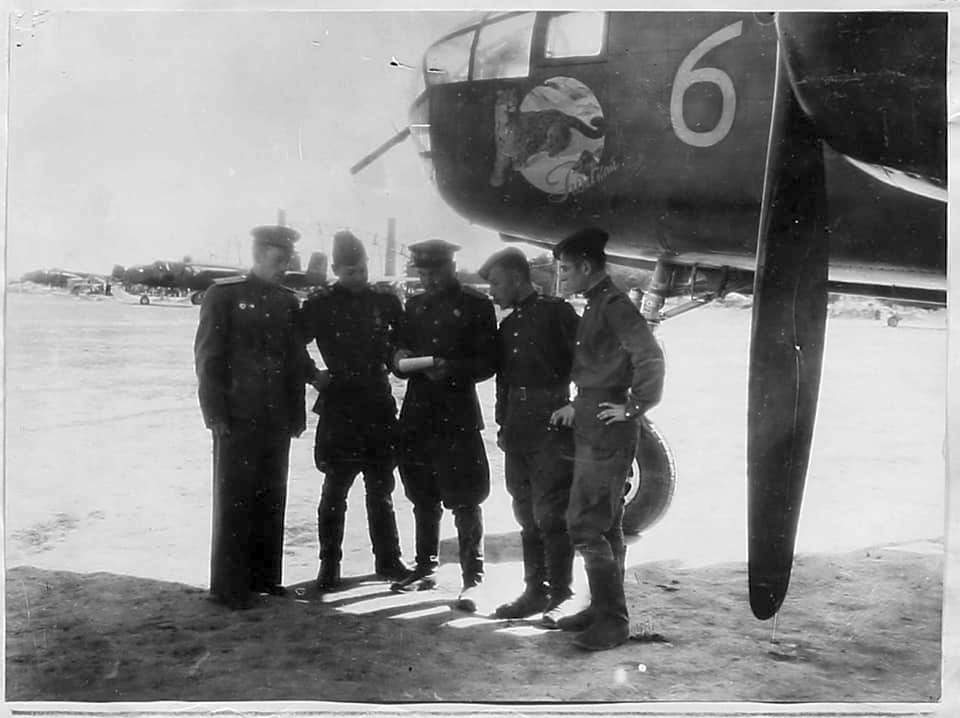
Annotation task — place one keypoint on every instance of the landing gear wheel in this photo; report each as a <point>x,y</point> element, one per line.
<point>196,298</point>
<point>893,320</point>
<point>144,299</point>
<point>652,483</point>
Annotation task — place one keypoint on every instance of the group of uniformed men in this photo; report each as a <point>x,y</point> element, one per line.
<point>566,462</point>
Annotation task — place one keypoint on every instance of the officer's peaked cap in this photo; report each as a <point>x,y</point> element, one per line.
<point>275,236</point>
<point>587,243</point>
<point>432,253</point>
<point>510,258</point>
<point>347,249</point>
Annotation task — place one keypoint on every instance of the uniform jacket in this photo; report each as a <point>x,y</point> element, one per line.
<point>535,344</point>
<point>459,325</point>
<point>617,358</point>
<point>249,355</point>
<point>356,335</point>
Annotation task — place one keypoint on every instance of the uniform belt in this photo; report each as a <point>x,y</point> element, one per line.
<point>528,392</point>
<point>616,394</point>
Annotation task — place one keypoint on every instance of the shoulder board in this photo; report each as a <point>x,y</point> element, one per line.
<point>475,293</point>
<point>291,290</point>
<point>238,279</point>
<point>416,298</point>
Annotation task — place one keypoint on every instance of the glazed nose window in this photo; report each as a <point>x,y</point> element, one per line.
<point>575,34</point>
<point>503,48</point>
<point>449,60</point>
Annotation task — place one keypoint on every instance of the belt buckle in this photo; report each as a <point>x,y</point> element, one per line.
<point>523,393</point>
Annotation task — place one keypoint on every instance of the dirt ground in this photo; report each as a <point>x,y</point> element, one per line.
<point>108,520</point>
<point>108,637</point>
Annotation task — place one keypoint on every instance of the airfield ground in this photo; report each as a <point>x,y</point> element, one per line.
<point>108,519</point>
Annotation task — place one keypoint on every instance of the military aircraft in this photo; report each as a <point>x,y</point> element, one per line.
<point>195,278</point>
<point>73,281</point>
<point>788,155</point>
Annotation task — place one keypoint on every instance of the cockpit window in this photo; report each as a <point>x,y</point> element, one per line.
<point>575,34</point>
<point>503,48</point>
<point>449,60</point>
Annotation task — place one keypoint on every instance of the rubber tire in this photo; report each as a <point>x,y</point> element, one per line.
<point>651,486</point>
<point>196,298</point>
<point>144,299</point>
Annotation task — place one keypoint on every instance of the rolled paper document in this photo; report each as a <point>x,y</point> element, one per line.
<point>411,364</point>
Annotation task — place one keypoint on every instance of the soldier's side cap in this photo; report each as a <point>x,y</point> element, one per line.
<point>432,252</point>
<point>509,257</point>
<point>347,249</point>
<point>588,243</point>
<point>275,236</point>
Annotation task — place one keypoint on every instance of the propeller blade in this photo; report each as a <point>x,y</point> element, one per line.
<point>381,150</point>
<point>786,345</point>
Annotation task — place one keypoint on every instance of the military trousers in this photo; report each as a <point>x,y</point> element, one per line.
<point>249,500</point>
<point>602,459</point>
<point>538,479</point>
<point>381,520</point>
<point>447,470</point>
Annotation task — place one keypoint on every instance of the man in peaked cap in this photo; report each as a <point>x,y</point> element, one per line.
<point>536,345</point>
<point>433,254</point>
<point>250,363</point>
<point>355,328</point>
<point>618,369</point>
<point>442,457</point>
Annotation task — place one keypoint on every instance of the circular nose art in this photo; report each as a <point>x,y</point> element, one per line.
<point>554,138</point>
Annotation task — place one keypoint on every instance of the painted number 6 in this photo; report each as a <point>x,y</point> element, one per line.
<point>687,76</point>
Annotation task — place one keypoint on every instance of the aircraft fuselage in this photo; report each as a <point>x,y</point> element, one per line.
<point>660,136</point>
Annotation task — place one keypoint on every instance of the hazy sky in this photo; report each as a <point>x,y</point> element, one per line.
<point>137,136</point>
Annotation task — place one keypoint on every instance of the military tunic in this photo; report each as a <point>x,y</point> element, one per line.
<point>536,343</point>
<point>356,334</point>
<point>458,325</point>
<point>443,461</point>
<point>250,366</point>
<point>617,360</point>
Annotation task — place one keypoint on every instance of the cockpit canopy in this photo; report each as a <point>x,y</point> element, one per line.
<point>501,45</point>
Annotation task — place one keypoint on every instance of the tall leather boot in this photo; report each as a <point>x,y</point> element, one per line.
<point>611,625</point>
<point>535,595</point>
<point>469,523</point>
<point>427,518</point>
<point>559,555</point>
<point>331,515</point>
<point>619,548</point>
